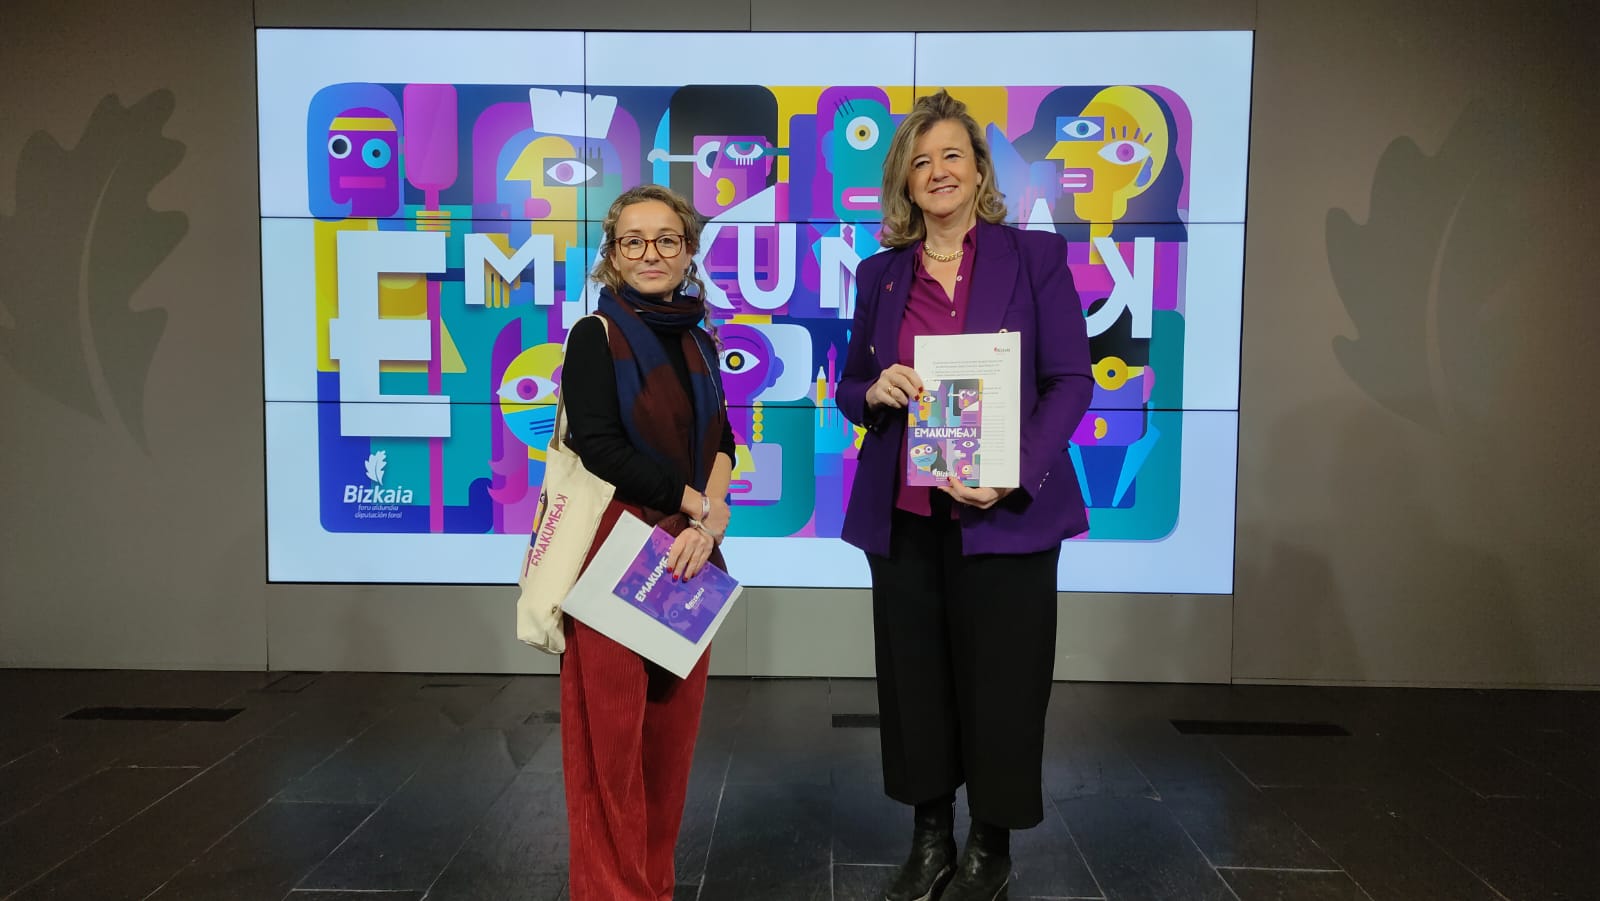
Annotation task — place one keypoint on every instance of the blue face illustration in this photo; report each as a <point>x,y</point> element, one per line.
<point>856,147</point>
<point>924,455</point>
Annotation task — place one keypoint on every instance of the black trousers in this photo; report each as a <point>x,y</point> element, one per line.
<point>965,652</point>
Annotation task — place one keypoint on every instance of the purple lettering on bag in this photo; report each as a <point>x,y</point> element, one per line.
<point>547,530</point>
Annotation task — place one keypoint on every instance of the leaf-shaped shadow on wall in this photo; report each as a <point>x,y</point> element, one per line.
<point>1419,278</point>
<point>82,240</point>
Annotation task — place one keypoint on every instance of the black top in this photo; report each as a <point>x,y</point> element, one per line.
<point>594,418</point>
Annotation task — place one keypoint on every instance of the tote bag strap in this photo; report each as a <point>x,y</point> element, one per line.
<point>558,438</point>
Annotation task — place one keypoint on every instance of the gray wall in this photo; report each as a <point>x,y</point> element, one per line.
<point>1417,498</point>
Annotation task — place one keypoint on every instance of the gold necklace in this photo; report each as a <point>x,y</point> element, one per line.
<point>942,257</point>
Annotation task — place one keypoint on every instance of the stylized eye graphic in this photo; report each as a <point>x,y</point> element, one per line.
<point>376,153</point>
<point>1079,128</point>
<point>922,450</point>
<point>862,133</point>
<point>1124,153</point>
<point>338,147</point>
<point>530,389</point>
<point>737,360</point>
<point>569,172</point>
<point>968,444</point>
<point>743,153</point>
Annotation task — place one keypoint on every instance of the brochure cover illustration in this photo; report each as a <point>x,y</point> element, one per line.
<point>687,608</point>
<point>943,434</point>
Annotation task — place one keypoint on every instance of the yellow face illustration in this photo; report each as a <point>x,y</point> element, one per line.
<point>1111,153</point>
<point>527,396</point>
<point>553,176</point>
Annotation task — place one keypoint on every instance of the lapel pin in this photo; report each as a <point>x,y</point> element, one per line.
<point>888,287</point>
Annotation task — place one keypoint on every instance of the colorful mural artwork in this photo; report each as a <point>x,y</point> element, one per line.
<point>451,228</point>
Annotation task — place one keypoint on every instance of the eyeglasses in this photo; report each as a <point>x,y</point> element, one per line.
<point>632,246</point>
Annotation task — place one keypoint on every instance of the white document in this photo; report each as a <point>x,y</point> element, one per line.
<point>594,601</point>
<point>996,358</point>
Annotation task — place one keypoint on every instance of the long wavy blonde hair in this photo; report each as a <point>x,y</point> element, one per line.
<point>902,219</point>
<point>606,274</point>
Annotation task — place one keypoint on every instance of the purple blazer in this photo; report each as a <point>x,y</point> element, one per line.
<point>1020,283</point>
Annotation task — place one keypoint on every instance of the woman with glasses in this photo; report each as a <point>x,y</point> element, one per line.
<point>644,400</point>
<point>963,579</point>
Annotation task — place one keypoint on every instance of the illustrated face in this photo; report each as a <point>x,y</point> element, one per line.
<point>923,455</point>
<point>651,275</point>
<point>547,175</point>
<point>966,398</point>
<point>965,472</point>
<point>943,181</point>
<point>749,364</point>
<point>1110,153</point>
<point>854,151</point>
<point>729,169</point>
<point>364,163</point>
<point>527,395</point>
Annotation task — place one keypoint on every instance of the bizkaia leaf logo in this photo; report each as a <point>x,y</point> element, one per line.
<point>82,240</point>
<point>375,464</point>
<point>1419,278</point>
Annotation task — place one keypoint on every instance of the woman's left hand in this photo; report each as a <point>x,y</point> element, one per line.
<point>690,551</point>
<point>982,498</point>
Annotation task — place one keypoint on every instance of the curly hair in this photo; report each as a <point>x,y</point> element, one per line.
<point>607,274</point>
<point>902,219</point>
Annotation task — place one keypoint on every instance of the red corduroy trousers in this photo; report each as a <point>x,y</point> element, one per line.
<point>628,729</point>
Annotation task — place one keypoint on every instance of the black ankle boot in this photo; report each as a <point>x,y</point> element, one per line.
<point>933,856</point>
<point>985,868</point>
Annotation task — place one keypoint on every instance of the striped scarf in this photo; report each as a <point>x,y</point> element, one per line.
<point>655,412</point>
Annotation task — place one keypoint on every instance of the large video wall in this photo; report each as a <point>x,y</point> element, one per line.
<point>431,203</point>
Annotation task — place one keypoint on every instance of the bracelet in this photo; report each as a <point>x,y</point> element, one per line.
<point>705,505</point>
<point>705,531</point>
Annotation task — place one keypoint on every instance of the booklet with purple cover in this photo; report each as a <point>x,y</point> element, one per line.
<point>944,433</point>
<point>687,608</point>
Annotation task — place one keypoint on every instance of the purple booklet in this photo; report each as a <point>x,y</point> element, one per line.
<point>944,433</point>
<point>686,608</point>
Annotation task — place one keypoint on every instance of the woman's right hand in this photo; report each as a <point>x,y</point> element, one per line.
<point>689,553</point>
<point>895,387</point>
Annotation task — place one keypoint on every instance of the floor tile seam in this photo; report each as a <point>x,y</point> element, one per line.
<point>102,766</point>
<point>207,850</point>
<point>1246,869</point>
<point>1222,752</point>
<point>1176,821</point>
<point>264,731</point>
<point>1277,805</point>
<point>130,818</point>
<point>471,834</point>
<point>1084,858</point>
<point>1460,863</point>
<point>1102,731</point>
<point>335,850</point>
<point>1411,828</point>
<point>23,755</point>
<point>379,717</point>
<point>1546,771</point>
<point>365,820</point>
<point>716,817</point>
<point>57,793</point>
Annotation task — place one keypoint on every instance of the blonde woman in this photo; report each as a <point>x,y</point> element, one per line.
<point>963,579</point>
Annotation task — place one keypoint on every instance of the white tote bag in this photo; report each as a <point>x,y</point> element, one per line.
<point>571,503</point>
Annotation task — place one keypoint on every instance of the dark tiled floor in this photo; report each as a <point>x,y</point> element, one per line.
<point>448,788</point>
